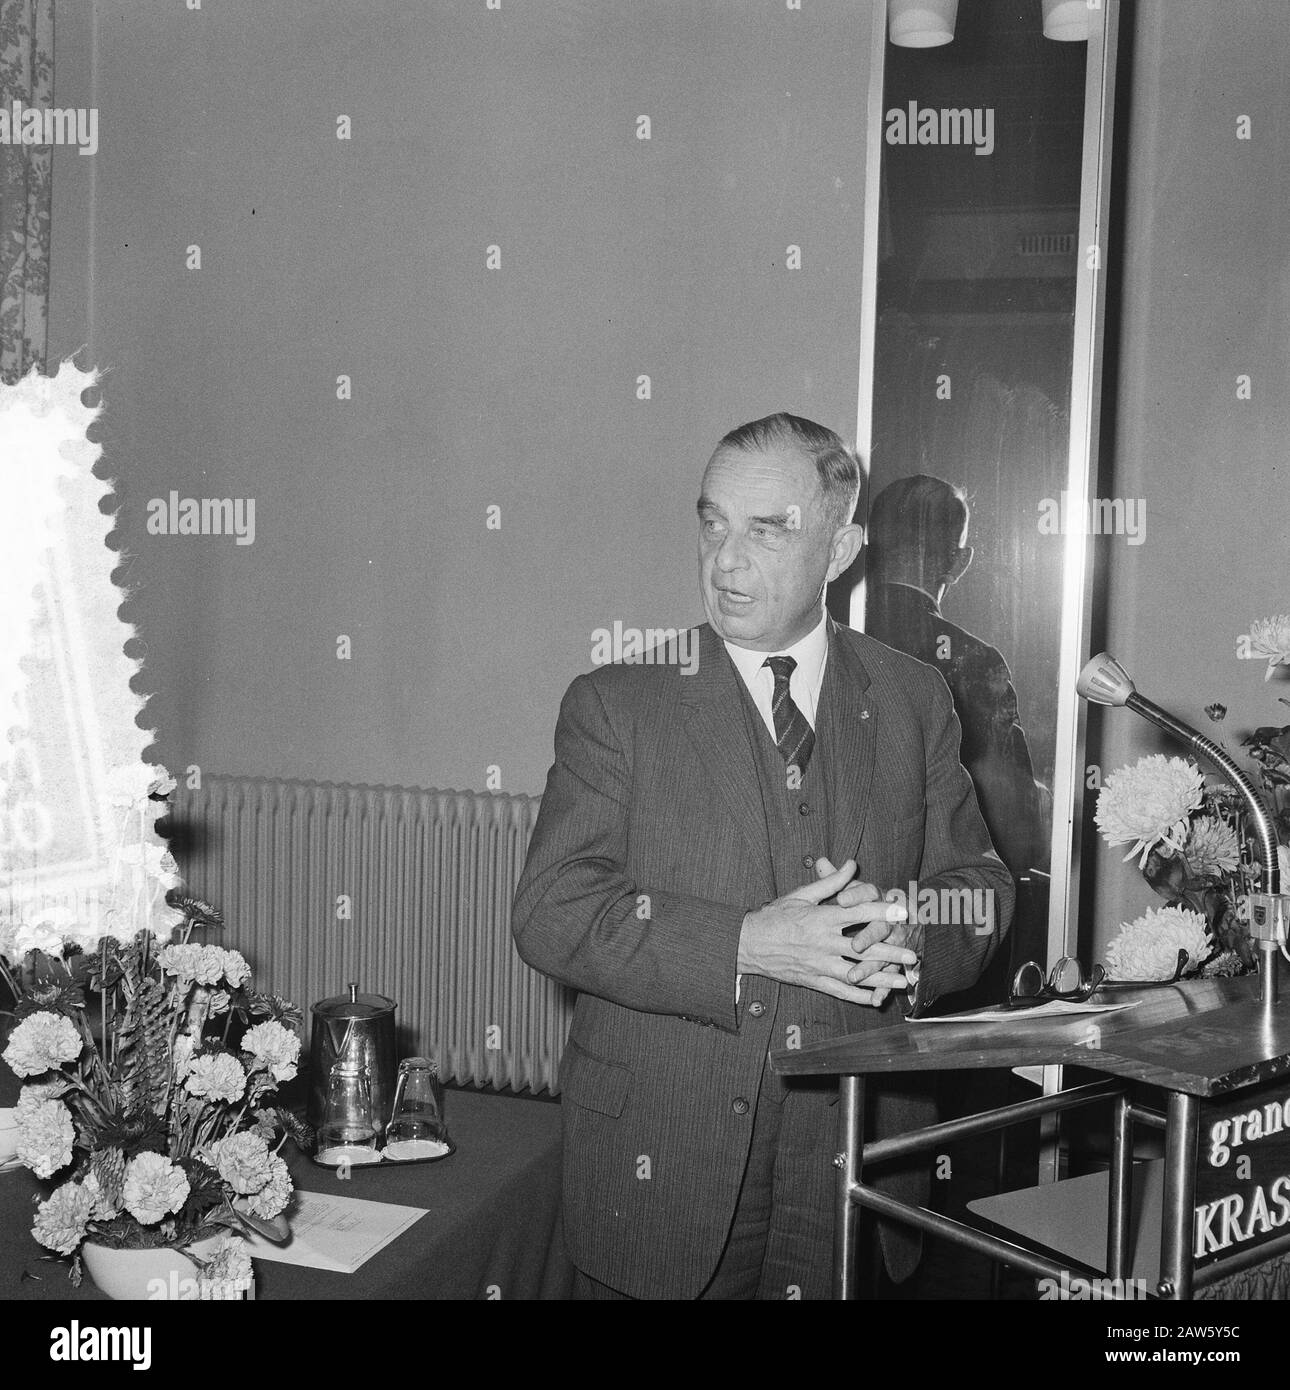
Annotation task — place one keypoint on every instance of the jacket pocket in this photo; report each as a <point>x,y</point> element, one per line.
<point>593,1084</point>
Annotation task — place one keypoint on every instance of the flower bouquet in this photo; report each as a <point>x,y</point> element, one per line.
<point>150,1068</point>
<point>1191,837</point>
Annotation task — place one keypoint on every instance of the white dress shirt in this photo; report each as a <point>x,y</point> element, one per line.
<point>811,654</point>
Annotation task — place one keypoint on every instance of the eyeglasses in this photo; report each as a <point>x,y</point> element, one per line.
<point>1065,981</point>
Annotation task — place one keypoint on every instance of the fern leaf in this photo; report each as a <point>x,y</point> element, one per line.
<point>155,1044</point>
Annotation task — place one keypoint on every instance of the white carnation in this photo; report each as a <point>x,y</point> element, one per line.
<point>273,1048</point>
<point>45,1137</point>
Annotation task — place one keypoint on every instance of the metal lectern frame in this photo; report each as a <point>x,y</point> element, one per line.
<point>1199,1039</point>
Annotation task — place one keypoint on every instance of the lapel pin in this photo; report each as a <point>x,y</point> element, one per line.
<point>864,714</point>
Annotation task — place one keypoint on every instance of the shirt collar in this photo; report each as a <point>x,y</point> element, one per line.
<point>809,652</point>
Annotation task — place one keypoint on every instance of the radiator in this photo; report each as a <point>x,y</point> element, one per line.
<point>426,878</point>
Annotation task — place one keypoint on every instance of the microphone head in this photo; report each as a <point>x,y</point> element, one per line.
<point>1103,681</point>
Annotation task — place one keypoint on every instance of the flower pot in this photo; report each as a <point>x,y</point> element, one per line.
<point>159,1273</point>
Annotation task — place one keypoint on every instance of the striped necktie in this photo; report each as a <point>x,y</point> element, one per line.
<point>793,734</point>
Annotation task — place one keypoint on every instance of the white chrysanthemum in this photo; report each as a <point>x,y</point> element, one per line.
<point>1211,847</point>
<point>61,1220</point>
<point>272,1199</point>
<point>228,1273</point>
<point>218,1077</point>
<point>1270,638</point>
<point>41,1042</point>
<point>1148,805</point>
<point>273,1048</point>
<point>154,1188</point>
<point>45,1137</point>
<point>1147,948</point>
<point>242,1160</point>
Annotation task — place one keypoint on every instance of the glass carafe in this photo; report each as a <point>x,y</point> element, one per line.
<point>347,1134</point>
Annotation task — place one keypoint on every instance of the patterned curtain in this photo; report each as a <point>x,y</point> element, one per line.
<point>26,76</point>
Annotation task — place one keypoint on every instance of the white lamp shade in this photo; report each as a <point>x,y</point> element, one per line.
<point>1066,20</point>
<point>921,23</point>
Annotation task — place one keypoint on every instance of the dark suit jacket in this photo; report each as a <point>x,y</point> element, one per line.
<point>650,848</point>
<point>995,751</point>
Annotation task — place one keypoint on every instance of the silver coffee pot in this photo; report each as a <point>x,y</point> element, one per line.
<point>357,1029</point>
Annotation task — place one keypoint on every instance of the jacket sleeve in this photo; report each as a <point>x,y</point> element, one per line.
<point>972,889</point>
<point>997,756</point>
<point>580,918</point>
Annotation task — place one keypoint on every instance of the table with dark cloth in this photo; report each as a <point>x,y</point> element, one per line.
<point>491,1228</point>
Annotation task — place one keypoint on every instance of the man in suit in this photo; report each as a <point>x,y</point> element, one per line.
<point>681,879</point>
<point>918,529</point>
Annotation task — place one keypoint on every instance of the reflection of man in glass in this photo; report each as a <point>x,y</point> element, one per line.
<point>917,548</point>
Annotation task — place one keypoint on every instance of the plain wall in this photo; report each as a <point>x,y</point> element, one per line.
<point>514,388</point>
<point>517,387</point>
<point>1205,271</point>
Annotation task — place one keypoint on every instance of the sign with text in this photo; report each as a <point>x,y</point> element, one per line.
<point>1242,1172</point>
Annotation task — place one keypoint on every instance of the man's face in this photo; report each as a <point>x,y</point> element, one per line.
<point>766,547</point>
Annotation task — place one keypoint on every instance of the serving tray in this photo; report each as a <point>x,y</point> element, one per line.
<point>384,1163</point>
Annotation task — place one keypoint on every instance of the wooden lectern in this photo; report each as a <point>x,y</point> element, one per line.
<point>1221,1057</point>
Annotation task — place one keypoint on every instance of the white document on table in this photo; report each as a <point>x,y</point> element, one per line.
<point>329,1231</point>
<point>1054,1008</point>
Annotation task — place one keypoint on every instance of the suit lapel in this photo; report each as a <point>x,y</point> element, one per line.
<point>712,711</point>
<point>846,705</point>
